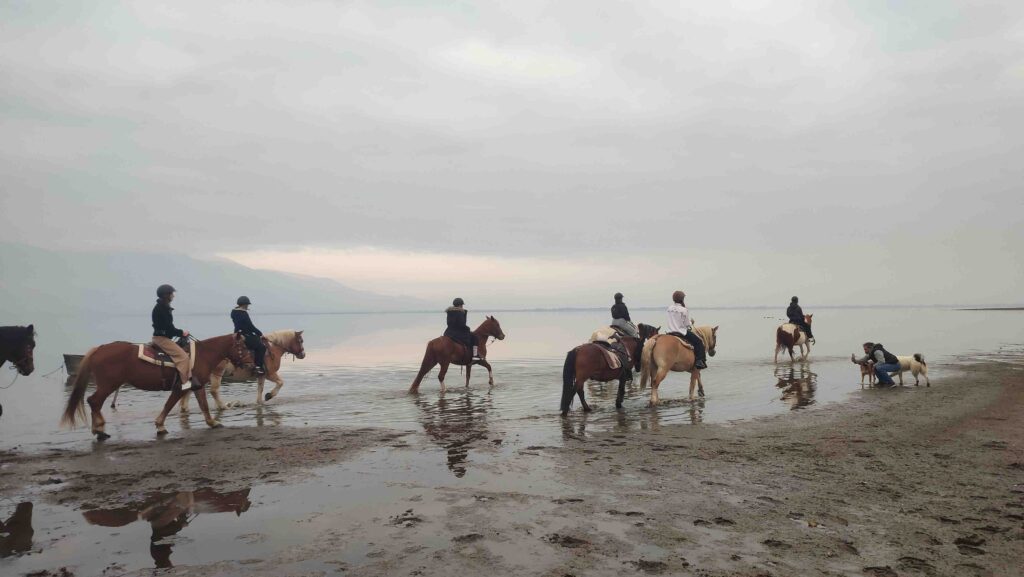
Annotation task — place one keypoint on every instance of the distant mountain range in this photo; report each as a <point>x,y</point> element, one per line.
<point>34,279</point>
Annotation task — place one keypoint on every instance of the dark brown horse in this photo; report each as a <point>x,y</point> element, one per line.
<point>588,361</point>
<point>17,345</point>
<point>117,363</point>
<point>445,351</point>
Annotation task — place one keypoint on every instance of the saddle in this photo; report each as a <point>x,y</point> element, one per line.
<point>615,354</point>
<point>793,330</point>
<point>606,335</point>
<point>152,354</point>
<point>681,339</point>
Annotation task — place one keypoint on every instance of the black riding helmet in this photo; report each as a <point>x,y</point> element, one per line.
<point>458,302</point>
<point>794,300</point>
<point>618,296</point>
<point>164,290</point>
<point>243,300</point>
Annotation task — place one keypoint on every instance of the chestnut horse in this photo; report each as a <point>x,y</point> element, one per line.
<point>445,351</point>
<point>279,343</point>
<point>666,353</point>
<point>789,335</point>
<point>117,363</point>
<point>589,361</point>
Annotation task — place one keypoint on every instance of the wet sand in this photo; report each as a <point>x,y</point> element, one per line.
<point>905,481</point>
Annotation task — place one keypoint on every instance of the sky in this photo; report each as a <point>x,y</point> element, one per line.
<point>531,154</point>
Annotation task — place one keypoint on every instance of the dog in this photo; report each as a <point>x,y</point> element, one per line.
<point>867,370</point>
<point>916,365</point>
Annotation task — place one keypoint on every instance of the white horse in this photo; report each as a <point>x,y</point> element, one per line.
<point>786,337</point>
<point>279,344</point>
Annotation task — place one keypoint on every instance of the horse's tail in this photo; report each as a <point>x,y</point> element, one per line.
<point>646,358</point>
<point>76,402</point>
<point>568,380</point>
<point>920,358</point>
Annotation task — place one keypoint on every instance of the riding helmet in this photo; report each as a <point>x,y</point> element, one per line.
<point>244,300</point>
<point>678,296</point>
<point>618,296</point>
<point>164,290</point>
<point>458,302</point>
<point>795,300</point>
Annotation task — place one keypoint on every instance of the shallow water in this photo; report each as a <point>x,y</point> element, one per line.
<point>359,366</point>
<point>356,373</point>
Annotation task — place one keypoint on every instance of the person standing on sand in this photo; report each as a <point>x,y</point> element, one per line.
<point>884,361</point>
<point>680,325</point>
<point>620,317</point>
<point>796,316</point>
<point>164,330</point>
<point>253,336</point>
<point>458,330</point>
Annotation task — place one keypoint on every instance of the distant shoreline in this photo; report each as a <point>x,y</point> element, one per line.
<point>995,309</point>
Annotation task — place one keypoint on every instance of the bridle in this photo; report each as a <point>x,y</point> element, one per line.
<point>26,358</point>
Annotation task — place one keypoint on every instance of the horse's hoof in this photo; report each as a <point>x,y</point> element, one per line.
<point>267,397</point>
<point>701,394</point>
<point>101,436</point>
<point>587,409</point>
<point>161,432</point>
<point>565,413</point>
<point>216,425</point>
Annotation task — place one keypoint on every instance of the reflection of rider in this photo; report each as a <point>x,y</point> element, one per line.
<point>253,336</point>
<point>796,316</point>
<point>164,330</point>
<point>620,317</point>
<point>679,324</point>
<point>458,330</point>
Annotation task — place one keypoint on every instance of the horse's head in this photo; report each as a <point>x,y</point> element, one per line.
<point>24,348</point>
<point>712,341</point>
<point>808,319</point>
<point>239,354</point>
<point>492,328</point>
<point>647,331</point>
<point>296,347</point>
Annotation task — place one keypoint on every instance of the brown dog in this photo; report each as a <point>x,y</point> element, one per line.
<point>867,369</point>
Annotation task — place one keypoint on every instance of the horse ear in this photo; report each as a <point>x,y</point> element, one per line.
<point>298,333</point>
<point>715,330</point>
<point>31,328</point>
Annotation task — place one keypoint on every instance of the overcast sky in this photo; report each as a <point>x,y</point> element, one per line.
<point>532,153</point>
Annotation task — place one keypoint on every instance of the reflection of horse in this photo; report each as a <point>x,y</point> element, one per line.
<point>798,384</point>
<point>665,353</point>
<point>445,351</point>
<point>456,424</point>
<point>280,343</point>
<point>789,335</point>
<point>117,363</point>
<point>169,513</point>
<point>16,532</point>
<point>589,361</point>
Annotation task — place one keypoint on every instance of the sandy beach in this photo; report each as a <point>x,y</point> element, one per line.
<point>904,481</point>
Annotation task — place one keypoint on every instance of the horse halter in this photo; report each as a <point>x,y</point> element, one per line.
<point>25,363</point>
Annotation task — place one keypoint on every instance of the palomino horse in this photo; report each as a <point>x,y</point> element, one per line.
<point>589,361</point>
<point>117,363</point>
<point>280,343</point>
<point>788,336</point>
<point>666,352</point>
<point>445,351</point>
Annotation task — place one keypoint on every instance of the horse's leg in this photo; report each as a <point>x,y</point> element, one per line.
<point>259,389</point>
<point>200,394</point>
<point>175,396</point>
<point>95,401</point>
<point>216,377</point>
<point>693,381</point>
<point>580,392</point>
<point>429,362</point>
<point>622,391</point>
<point>700,383</point>
<point>469,369</point>
<point>778,348</point>
<point>183,406</point>
<point>278,383</point>
<point>441,373</point>
<point>490,373</point>
<point>655,382</point>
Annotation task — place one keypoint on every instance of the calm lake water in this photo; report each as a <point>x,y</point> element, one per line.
<point>359,366</point>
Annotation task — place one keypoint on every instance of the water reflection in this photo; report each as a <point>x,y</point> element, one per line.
<point>16,532</point>
<point>455,422</point>
<point>798,384</point>
<point>169,513</point>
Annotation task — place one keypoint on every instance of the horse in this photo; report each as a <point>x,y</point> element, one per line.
<point>279,343</point>
<point>666,352</point>
<point>589,361</point>
<point>17,345</point>
<point>117,363</point>
<point>445,351</point>
<point>788,336</point>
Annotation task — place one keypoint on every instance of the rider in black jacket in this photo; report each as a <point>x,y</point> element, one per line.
<point>253,336</point>
<point>458,330</point>
<point>796,316</point>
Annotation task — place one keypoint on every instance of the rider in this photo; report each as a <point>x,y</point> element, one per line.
<point>253,336</point>
<point>680,325</point>
<point>164,330</point>
<point>458,330</point>
<point>620,318</point>
<point>796,316</point>
<point>884,361</point>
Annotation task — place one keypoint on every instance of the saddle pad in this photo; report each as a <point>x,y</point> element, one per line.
<point>149,354</point>
<point>605,334</point>
<point>611,355</point>
<point>681,340</point>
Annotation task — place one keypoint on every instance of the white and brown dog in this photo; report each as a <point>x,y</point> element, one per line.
<point>914,363</point>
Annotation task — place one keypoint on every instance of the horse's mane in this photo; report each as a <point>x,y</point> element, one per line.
<point>706,333</point>
<point>282,338</point>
